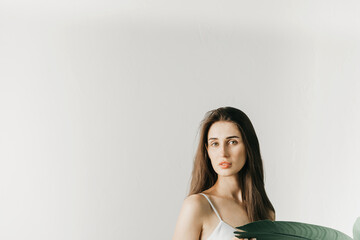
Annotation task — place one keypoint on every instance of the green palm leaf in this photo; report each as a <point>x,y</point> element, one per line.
<point>281,230</point>
<point>356,229</point>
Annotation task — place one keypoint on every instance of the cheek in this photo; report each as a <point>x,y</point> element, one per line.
<point>211,154</point>
<point>212,157</point>
<point>240,154</point>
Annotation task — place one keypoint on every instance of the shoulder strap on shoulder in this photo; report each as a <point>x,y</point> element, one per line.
<point>212,206</point>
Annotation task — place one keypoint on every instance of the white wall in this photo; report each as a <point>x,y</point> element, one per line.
<point>101,102</point>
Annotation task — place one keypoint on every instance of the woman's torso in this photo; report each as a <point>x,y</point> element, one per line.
<point>221,218</point>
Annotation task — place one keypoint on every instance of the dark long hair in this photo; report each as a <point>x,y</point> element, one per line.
<point>250,177</point>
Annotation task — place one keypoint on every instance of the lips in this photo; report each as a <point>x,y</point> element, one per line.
<point>225,164</point>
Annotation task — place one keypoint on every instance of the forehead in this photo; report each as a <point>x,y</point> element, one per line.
<point>223,129</point>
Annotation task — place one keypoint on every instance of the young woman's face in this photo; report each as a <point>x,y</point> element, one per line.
<point>225,148</point>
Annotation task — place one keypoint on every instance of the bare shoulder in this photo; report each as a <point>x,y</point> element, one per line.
<point>197,204</point>
<point>196,199</point>
<point>272,215</point>
<point>190,221</point>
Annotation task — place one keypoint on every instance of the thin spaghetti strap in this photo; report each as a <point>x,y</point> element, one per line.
<point>212,206</point>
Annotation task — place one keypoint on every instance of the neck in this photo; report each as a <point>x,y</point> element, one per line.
<point>228,187</point>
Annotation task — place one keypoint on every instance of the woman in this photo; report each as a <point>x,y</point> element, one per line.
<point>227,186</point>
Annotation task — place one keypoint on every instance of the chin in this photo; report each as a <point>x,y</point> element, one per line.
<point>227,174</point>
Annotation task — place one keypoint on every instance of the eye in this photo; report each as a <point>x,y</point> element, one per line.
<point>235,142</point>
<point>212,144</point>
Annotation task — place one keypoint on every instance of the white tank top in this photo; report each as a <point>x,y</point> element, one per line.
<point>223,231</point>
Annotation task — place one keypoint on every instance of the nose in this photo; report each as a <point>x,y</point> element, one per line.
<point>224,150</point>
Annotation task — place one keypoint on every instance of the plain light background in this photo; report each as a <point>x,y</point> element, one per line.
<point>101,101</point>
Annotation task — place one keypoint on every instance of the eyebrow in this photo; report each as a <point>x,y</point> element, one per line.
<point>226,138</point>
